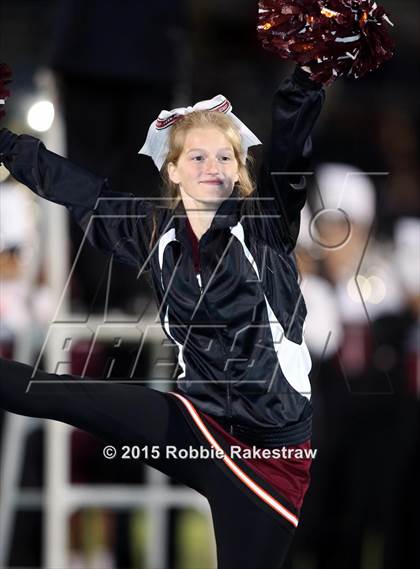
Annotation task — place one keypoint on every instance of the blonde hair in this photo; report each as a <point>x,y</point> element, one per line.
<point>176,140</point>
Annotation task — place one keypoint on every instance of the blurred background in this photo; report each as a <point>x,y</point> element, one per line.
<point>88,78</point>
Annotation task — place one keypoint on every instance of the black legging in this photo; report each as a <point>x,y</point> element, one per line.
<point>249,534</point>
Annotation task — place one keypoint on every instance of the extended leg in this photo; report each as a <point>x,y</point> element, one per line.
<point>117,413</point>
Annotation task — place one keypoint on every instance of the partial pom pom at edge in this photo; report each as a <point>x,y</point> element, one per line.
<point>5,78</point>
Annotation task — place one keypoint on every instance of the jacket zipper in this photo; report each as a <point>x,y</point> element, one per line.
<point>229,399</point>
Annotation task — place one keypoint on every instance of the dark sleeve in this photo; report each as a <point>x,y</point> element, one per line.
<point>114,222</point>
<point>297,104</point>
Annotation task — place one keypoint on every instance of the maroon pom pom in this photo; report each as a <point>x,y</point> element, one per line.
<point>5,77</point>
<point>327,38</point>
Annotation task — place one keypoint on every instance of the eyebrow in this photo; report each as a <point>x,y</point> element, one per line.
<point>203,149</point>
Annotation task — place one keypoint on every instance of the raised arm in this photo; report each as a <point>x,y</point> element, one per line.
<point>114,222</point>
<point>297,104</point>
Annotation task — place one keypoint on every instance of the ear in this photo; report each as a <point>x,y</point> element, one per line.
<point>173,173</point>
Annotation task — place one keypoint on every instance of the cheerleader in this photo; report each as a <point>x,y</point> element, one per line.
<point>218,250</point>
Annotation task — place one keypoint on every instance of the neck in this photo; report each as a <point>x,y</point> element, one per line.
<point>200,222</point>
<point>200,214</point>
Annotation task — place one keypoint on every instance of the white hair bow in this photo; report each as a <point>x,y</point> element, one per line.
<point>156,144</point>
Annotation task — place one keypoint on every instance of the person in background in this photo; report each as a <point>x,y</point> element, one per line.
<point>354,286</point>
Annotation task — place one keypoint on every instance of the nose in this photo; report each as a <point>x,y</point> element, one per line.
<point>212,166</point>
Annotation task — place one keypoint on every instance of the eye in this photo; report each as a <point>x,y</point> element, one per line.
<point>197,158</point>
<point>226,158</point>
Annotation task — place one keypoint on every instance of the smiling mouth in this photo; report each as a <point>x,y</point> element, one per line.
<point>214,182</point>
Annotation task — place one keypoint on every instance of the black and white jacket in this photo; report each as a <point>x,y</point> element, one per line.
<point>237,325</point>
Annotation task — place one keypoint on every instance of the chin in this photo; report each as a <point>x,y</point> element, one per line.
<point>213,197</point>
<point>219,192</point>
